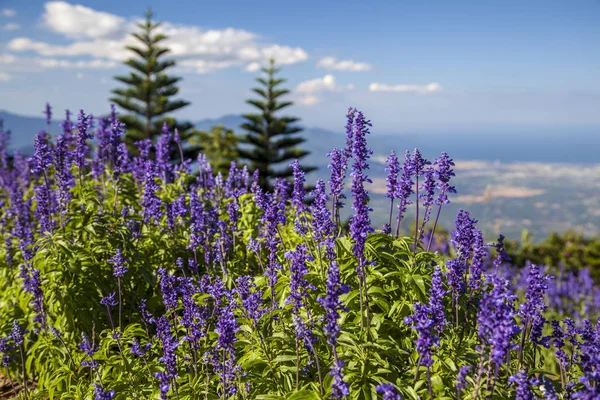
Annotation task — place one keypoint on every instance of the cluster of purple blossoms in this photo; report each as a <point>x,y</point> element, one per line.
<point>227,327</point>
<point>84,127</point>
<point>531,312</point>
<point>496,325</point>
<point>460,382</point>
<point>332,305</point>
<point>5,349</point>
<point>169,344</point>
<point>42,154</point>
<point>88,347</point>
<point>360,223</point>
<point>427,195</point>
<point>393,186</point>
<point>429,320</point>
<point>523,385</point>
<point>322,224</point>
<point>32,283</point>
<point>480,253</point>
<point>444,173</point>
<point>405,188</point>
<point>168,288</point>
<point>48,114</point>
<point>388,391</point>
<point>251,298</point>
<point>151,204</point>
<point>139,350</point>
<point>17,333</point>
<point>101,394</point>
<point>163,161</point>
<point>299,292</point>
<point>118,261</point>
<point>463,237</point>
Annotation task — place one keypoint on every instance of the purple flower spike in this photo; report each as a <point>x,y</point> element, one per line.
<point>360,224</point>
<point>118,261</point>
<point>405,189</point>
<point>388,391</point>
<point>42,154</point>
<point>101,394</point>
<point>48,114</point>
<point>109,301</point>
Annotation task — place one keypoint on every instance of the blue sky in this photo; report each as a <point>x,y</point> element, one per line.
<point>419,66</point>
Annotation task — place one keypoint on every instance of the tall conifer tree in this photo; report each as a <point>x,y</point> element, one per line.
<point>271,141</point>
<point>149,91</point>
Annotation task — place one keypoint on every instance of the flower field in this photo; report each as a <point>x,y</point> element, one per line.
<point>135,276</point>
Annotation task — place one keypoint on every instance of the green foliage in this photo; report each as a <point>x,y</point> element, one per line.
<point>571,250</point>
<point>219,145</point>
<point>149,91</point>
<point>272,140</point>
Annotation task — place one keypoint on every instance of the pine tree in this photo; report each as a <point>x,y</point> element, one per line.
<point>271,141</point>
<point>148,94</point>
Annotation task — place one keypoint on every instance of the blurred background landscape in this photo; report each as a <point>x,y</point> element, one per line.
<point>510,90</point>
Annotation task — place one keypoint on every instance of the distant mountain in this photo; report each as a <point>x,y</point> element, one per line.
<point>230,121</point>
<point>24,129</point>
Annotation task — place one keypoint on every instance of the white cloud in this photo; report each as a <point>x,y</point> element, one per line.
<point>77,21</point>
<point>80,75</point>
<point>309,89</point>
<point>326,83</point>
<point>67,64</point>
<point>7,58</point>
<point>309,100</point>
<point>381,87</point>
<point>103,36</point>
<point>332,63</point>
<point>252,67</point>
<point>11,26</point>
<point>8,12</point>
<point>4,77</point>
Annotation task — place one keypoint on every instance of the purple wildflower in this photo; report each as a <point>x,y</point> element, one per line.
<point>101,394</point>
<point>118,261</point>
<point>460,382</point>
<point>17,334</point>
<point>162,154</point>
<point>151,204</point>
<point>165,384</point>
<point>523,384</point>
<point>463,237</point>
<point>444,173</point>
<point>109,300</point>
<point>169,344</point>
<point>139,350</point>
<point>496,320</point>
<point>360,222</point>
<point>332,305</point>
<point>479,255</point>
<point>168,289</point>
<point>531,312</point>
<point>388,391</point>
<point>87,346</point>
<point>42,154</point>
<point>251,298</point>
<point>405,189</point>
<point>392,184</point>
<point>426,195</point>
<point>48,114</point>
<point>227,327</point>
<point>84,126</point>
